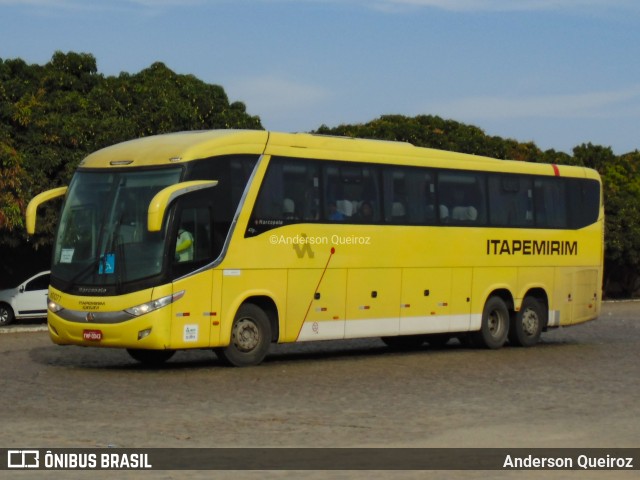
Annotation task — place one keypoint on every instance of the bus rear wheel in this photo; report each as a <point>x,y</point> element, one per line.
<point>151,358</point>
<point>528,323</point>
<point>495,324</point>
<point>250,338</point>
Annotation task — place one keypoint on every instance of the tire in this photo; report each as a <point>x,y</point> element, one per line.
<point>250,338</point>
<point>6,314</point>
<point>404,342</point>
<point>527,324</point>
<point>151,358</point>
<point>495,325</point>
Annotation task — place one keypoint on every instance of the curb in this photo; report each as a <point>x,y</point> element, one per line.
<point>23,329</point>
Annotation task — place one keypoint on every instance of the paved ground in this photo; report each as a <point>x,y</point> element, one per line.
<point>578,388</point>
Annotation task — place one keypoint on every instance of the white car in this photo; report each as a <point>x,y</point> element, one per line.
<point>27,300</point>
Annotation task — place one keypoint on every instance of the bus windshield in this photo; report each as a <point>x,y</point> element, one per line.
<point>103,239</point>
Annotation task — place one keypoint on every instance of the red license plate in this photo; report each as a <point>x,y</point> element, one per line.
<point>92,335</point>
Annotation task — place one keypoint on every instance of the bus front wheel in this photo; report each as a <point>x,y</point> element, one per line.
<point>527,324</point>
<point>250,338</point>
<point>495,324</point>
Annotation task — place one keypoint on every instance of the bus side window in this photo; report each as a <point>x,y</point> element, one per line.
<point>510,201</point>
<point>583,202</point>
<point>394,182</point>
<point>408,195</point>
<point>428,197</point>
<point>462,197</point>
<point>288,194</point>
<point>351,193</point>
<point>193,242</point>
<point>549,203</point>
<point>270,202</point>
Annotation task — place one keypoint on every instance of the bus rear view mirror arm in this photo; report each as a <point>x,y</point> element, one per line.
<point>161,201</point>
<point>38,200</point>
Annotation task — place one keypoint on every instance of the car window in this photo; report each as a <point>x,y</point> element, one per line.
<point>38,283</point>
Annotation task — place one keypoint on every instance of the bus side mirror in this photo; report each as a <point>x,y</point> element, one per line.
<point>38,200</point>
<point>161,201</point>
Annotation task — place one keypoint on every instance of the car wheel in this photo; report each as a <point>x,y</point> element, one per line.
<point>6,314</point>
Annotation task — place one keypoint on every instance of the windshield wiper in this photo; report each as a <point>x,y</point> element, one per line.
<point>99,264</point>
<point>96,263</point>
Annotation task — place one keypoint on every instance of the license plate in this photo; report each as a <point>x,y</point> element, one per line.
<point>92,335</point>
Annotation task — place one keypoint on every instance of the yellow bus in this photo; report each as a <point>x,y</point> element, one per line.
<point>233,240</point>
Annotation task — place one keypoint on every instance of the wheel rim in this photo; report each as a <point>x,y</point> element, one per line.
<point>246,335</point>
<point>4,316</point>
<point>495,324</point>
<point>529,322</point>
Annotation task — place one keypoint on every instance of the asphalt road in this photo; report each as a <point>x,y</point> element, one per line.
<point>578,388</point>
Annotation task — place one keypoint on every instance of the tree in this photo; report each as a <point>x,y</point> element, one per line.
<point>12,177</point>
<point>434,132</point>
<point>622,255</point>
<point>52,116</point>
<point>58,113</point>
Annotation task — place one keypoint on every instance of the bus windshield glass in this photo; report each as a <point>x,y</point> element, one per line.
<point>103,239</point>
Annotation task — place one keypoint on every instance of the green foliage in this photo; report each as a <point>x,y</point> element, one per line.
<point>11,180</point>
<point>435,132</point>
<point>54,115</point>
<point>621,180</point>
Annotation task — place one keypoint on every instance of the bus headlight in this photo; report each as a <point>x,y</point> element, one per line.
<point>53,306</point>
<point>154,304</point>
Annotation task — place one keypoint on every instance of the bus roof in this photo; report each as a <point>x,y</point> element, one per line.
<point>177,148</point>
<point>182,147</point>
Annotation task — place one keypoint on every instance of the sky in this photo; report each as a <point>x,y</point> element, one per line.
<point>559,73</point>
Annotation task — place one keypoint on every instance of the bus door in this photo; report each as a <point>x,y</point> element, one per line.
<point>192,314</point>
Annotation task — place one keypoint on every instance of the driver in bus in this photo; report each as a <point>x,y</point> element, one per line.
<point>184,246</point>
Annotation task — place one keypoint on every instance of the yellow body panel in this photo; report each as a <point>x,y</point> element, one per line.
<point>316,302</point>
<point>176,148</point>
<point>373,302</point>
<point>122,334</point>
<point>426,300</point>
<point>192,316</point>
